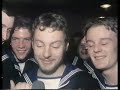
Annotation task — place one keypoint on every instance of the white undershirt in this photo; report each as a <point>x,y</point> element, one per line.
<point>51,83</point>
<point>21,65</point>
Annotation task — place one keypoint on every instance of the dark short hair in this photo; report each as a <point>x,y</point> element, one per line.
<point>22,22</point>
<point>110,23</point>
<point>52,20</point>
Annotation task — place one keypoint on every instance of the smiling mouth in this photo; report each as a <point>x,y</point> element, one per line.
<point>99,57</point>
<point>21,51</point>
<point>47,61</point>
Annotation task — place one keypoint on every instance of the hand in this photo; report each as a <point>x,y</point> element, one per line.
<point>20,85</point>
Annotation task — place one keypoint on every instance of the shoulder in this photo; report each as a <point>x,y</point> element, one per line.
<point>31,75</point>
<point>82,78</point>
<point>86,80</point>
<point>32,60</point>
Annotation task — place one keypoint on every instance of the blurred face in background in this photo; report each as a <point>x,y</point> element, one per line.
<point>7,23</point>
<point>21,43</point>
<point>83,50</point>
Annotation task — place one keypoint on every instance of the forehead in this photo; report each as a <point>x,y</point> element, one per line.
<point>49,35</point>
<point>22,32</point>
<point>7,20</point>
<point>99,32</point>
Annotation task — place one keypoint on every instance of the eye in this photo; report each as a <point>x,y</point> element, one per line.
<point>39,44</point>
<point>14,39</point>
<point>56,45</point>
<point>104,43</point>
<point>27,39</point>
<point>90,44</point>
<point>9,29</point>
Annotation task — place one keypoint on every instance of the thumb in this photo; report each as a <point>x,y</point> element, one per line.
<point>12,84</point>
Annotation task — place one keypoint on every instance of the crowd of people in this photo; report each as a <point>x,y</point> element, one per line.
<point>38,50</point>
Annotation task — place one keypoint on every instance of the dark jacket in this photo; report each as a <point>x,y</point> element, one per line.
<point>72,78</point>
<point>97,74</point>
<point>11,69</point>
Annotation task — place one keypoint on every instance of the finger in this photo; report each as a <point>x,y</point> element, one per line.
<point>23,85</point>
<point>27,86</point>
<point>12,84</point>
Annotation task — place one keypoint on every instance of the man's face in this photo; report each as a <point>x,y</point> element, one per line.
<point>102,47</point>
<point>82,49</point>
<point>21,43</point>
<point>49,47</point>
<point>7,23</point>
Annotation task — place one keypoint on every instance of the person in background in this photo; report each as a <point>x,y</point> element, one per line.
<point>7,24</point>
<point>50,43</point>
<point>82,54</point>
<point>102,45</point>
<point>21,56</point>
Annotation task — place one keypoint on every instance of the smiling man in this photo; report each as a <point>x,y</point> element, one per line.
<point>50,43</point>
<point>102,45</point>
<point>21,58</point>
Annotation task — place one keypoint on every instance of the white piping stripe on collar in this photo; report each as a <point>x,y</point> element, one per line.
<point>27,79</point>
<point>91,71</point>
<point>69,75</point>
<point>32,59</point>
<point>5,57</point>
<point>17,67</point>
<point>63,85</point>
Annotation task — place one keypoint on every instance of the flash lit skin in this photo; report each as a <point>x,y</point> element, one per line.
<point>82,49</point>
<point>102,48</point>
<point>21,43</point>
<point>7,24</point>
<point>49,47</point>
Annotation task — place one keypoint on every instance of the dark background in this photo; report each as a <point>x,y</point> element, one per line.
<point>75,11</point>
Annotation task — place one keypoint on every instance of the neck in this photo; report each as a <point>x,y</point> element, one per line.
<point>111,75</point>
<point>57,73</point>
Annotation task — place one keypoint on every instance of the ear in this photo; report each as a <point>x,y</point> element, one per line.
<point>67,45</point>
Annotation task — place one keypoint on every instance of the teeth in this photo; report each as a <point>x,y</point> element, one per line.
<point>21,51</point>
<point>99,57</point>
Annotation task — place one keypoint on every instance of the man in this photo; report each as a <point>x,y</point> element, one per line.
<point>82,54</point>
<point>101,37</point>
<point>50,42</point>
<point>7,23</point>
<point>21,56</point>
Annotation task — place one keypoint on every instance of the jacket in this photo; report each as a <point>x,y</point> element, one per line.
<point>72,78</point>
<point>98,76</point>
<point>11,69</point>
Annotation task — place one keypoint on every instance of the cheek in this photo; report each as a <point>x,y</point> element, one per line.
<point>28,45</point>
<point>59,52</point>
<point>15,45</point>
<point>36,50</point>
<point>4,32</point>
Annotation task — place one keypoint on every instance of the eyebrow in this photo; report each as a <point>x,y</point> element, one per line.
<point>100,39</point>
<point>59,41</point>
<point>51,43</point>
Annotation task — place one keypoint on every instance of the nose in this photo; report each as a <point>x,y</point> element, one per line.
<point>97,48</point>
<point>21,44</point>
<point>4,34</point>
<point>46,52</point>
